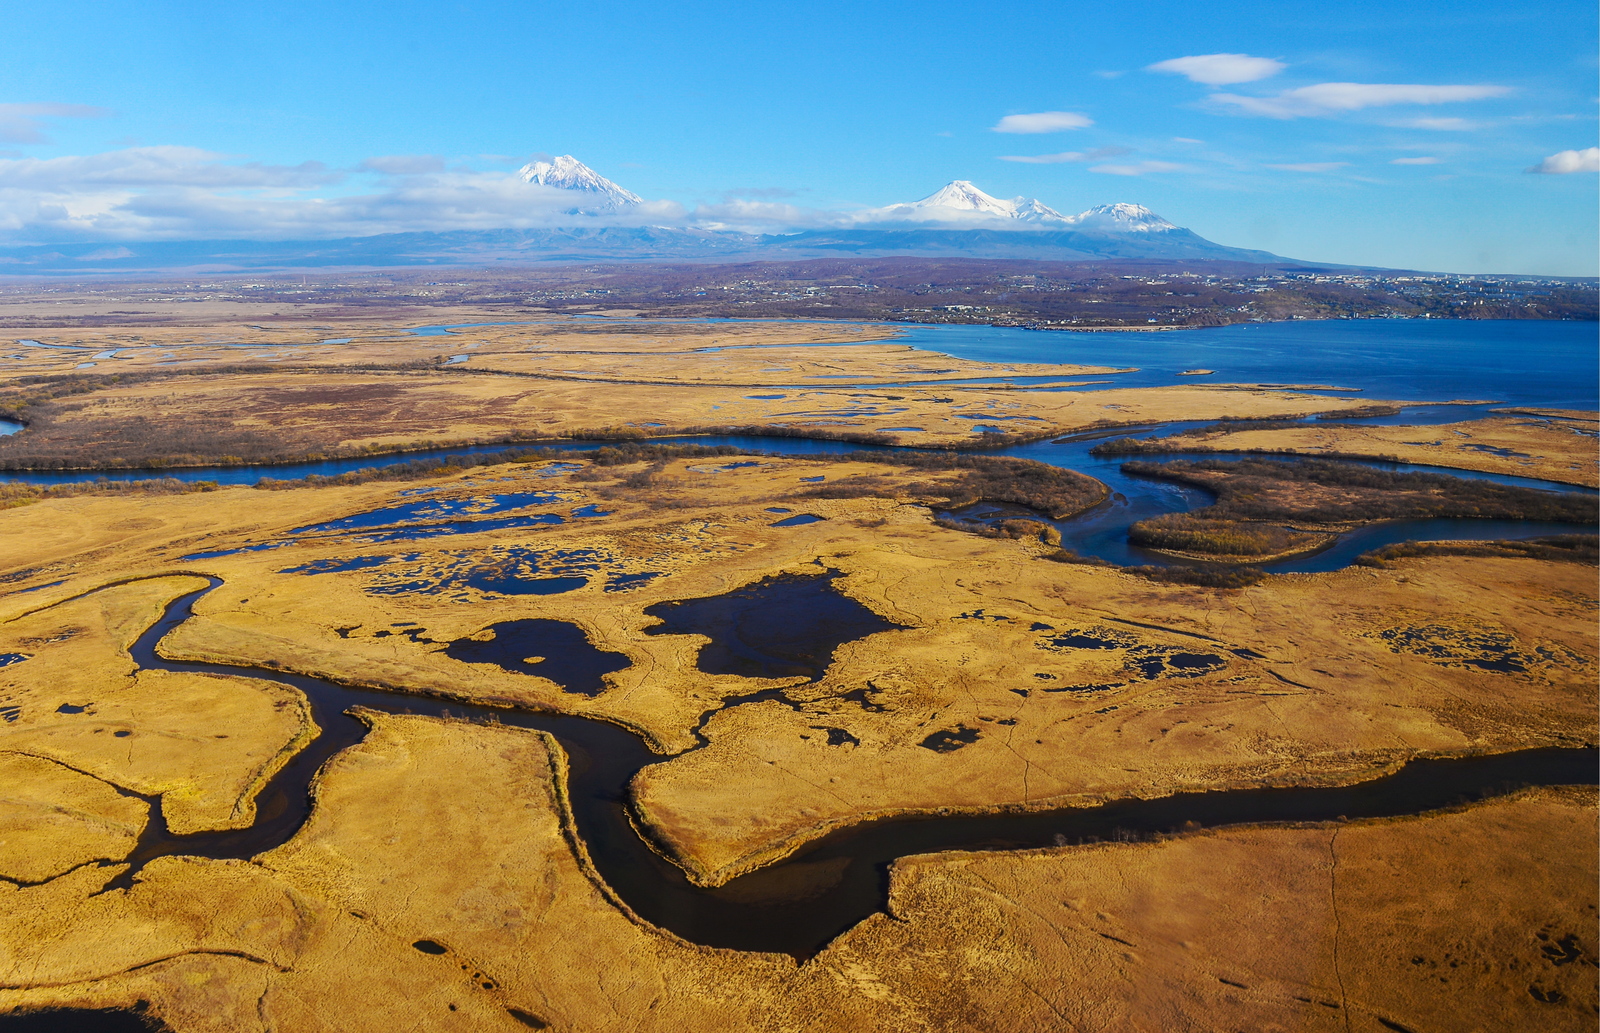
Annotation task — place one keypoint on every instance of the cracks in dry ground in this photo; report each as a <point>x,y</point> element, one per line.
<point>118,583</point>
<point>198,952</point>
<point>151,801</point>
<point>98,862</point>
<point>1333,897</point>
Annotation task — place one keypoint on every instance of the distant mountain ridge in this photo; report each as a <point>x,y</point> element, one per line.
<point>957,220</point>
<point>613,243</point>
<point>961,201</point>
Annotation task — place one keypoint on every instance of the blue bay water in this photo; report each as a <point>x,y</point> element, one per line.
<point>1547,363</point>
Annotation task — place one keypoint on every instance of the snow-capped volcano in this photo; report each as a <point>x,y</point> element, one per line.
<point>962,203</point>
<point>1121,218</point>
<point>568,173</point>
<point>960,200</point>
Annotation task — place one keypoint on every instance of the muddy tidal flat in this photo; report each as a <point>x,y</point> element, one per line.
<point>631,736</point>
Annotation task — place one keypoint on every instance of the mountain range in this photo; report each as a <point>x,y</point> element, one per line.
<point>957,220</point>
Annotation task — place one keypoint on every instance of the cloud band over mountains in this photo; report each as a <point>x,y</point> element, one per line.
<point>187,193</point>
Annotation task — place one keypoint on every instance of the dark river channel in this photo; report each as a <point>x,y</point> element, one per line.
<point>1101,532</point>
<point>797,905</point>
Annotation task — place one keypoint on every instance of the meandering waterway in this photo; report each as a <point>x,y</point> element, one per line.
<point>797,905</point>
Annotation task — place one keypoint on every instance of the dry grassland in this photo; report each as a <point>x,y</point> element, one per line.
<point>1011,683</point>
<point>163,396</point>
<point>1357,926</point>
<point>1007,682</point>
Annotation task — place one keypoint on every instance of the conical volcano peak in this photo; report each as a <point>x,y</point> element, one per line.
<point>963,195</point>
<point>568,173</point>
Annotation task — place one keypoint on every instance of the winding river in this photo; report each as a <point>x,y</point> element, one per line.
<point>797,905</point>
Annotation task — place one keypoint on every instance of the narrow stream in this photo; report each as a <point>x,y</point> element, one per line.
<point>1101,532</point>
<point>795,906</point>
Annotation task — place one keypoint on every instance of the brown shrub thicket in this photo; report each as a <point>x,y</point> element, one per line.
<point>1013,529</point>
<point>1186,532</point>
<point>1210,576</point>
<point>13,494</point>
<point>1569,548</point>
<point>1206,577</point>
<point>1266,489</point>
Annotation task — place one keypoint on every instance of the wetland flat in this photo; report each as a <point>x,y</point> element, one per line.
<point>706,738</point>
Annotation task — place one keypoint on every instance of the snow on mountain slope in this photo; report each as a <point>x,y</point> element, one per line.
<point>962,195</point>
<point>959,202</point>
<point>1121,218</point>
<point>1031,209</point>
<point>568,173</point>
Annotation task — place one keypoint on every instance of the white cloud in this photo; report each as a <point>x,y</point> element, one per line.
<point>1042,122</point>
<point>156,167</point>
<point>183,193</point>
<point>1329,97</point>
<point>1448,125</point>
<point>1420,160</point>
<point>103,254</point>
<point>1138,168</point>
<point>1220,69</point>
<point>1311,166</point>
<point>1097,154</point>
<point>748,216</point>
<point>404,164</point>
<point>23,123</point>
<point>1563,162</point>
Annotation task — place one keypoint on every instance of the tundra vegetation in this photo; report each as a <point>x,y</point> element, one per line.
<point>960,676</point>
<point>1255,497</point>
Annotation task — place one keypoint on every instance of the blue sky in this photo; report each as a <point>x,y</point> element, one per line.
<point>1317,139</point>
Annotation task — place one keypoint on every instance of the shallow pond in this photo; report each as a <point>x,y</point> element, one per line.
<point>778,627</point>
<point>545,648</point>
<point>81,1020</point>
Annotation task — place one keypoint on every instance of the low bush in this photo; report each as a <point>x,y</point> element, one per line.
<point>1206,577</point>
<point>1065,555</point>
<point>13,493</point>
<point>1568,548</point>
<point>1267,489</point>
<point>1186,532</point>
